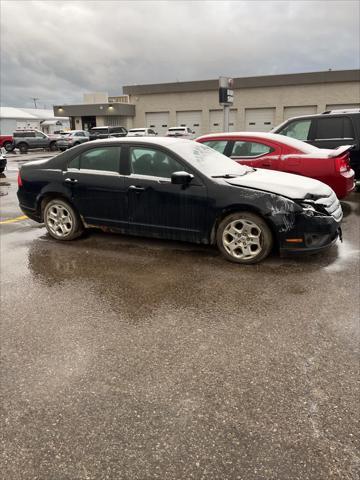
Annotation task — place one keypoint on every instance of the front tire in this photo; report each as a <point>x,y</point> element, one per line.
<point>9,147</point>
<point>244,237</point>
<point>62,221</point>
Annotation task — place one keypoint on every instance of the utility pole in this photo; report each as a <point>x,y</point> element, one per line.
<point>34,100</point>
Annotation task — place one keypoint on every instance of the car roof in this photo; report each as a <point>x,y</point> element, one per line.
<point>162,141</point>
<point>275,137</point>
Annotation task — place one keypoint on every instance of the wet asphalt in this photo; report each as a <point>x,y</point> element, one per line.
<point>129,358</point>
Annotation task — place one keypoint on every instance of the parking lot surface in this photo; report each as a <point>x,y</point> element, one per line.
<point>130,358</point>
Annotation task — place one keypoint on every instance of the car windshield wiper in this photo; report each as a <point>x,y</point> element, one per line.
<point>234,175</point>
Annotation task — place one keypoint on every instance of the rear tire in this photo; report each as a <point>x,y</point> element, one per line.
<point>62,221</point>
<point>23,147</point>
<point>244,237</point>
<point>52,147</point>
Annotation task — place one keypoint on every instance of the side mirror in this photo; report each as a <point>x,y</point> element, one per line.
<point>181,178</point>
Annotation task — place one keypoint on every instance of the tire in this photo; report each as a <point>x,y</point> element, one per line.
<point>53,147</point>
<point>76,144</point>
<point>9,147</point>
<point>62,221</point>
<point>244,237</point>
<point>23,147</point>
<point>2,170</point>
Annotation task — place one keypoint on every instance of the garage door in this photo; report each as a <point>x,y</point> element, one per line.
<point>259,119</point>
<point>290,112</point>
<point>343,106</point>
<point>191,119</point>
<point>158,121</point>
<point>216,120</point>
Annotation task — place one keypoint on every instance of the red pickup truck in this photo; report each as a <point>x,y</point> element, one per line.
<point>6,141</point>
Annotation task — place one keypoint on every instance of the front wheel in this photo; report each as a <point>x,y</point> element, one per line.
<point>9,147</point>
<point>61,220</point>
<point>244,237</point>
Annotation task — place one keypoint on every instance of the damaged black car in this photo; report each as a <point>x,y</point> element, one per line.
<point>178,189</point>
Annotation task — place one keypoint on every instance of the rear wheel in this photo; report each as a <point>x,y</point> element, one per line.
<point>244,237</point>
<point>52,147</point>
<point>61,220</point>
<point>23,147</point>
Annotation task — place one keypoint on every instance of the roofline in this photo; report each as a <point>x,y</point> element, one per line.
<point>328,76</point>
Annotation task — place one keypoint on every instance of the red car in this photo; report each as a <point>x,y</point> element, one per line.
<point>277,152</point>
<point>6,141</point>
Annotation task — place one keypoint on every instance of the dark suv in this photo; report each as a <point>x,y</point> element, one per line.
<point>26,140</point>
<point>329,129</point>
<point>97,133</point>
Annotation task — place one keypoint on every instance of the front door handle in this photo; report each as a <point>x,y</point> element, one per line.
<point>134,188</point>
<point>71,180</point>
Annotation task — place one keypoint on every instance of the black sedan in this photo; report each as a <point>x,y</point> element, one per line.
<point>178,189</point>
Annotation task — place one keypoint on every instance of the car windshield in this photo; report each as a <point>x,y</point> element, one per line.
<point>208,161</point>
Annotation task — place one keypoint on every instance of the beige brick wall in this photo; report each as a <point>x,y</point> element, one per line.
<point>278,97</point>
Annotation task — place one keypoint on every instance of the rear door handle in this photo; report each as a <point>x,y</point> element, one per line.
<point>71,180</point>
<point>134,188</point>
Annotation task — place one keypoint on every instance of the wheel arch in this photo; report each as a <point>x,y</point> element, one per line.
<point>241,208</point>
<point>45,198</point>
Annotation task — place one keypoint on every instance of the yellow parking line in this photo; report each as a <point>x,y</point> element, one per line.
<point>13,220</point>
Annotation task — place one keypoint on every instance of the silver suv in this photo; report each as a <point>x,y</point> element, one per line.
<point>26,140</point>
<point>71,139</point>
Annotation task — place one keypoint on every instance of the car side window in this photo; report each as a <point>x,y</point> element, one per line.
<point>79,134</point>
<point>334,128</point>
<point>39,135</point>
<point>249,149</point>
<point>218,145</point>
<point>327,128</point>
<point>154,163</point>
<point>105,159</point>
<point>297,129</point>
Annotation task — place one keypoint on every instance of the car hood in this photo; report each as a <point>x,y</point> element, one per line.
<point>286,184</point>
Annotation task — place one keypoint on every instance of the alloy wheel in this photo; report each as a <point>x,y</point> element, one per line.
<point>242,239</point>
<point>59,220</point>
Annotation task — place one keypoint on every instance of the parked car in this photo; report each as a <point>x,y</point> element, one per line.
<point>183,132</point>
<point>3,160</point>
<point>97,133</point>
<point>182,190</point>
<point>6,141</point>
<point>141,132</point>
<point>330,129</point>
<point>72,138</point>
<point>276,152</point>
<point>30,139</point>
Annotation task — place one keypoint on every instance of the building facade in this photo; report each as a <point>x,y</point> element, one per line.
<point>260,103</point>
<point>12,119</point>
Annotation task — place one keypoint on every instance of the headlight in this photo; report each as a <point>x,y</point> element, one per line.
<point>309,210</point>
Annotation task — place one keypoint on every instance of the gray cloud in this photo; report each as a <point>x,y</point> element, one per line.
<point>57,50</point>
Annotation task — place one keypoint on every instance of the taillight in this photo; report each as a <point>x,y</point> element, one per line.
<point>20,184</point>
<point>342,164</point>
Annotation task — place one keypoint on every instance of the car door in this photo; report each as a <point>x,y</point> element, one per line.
<point>96,186</point>
<point>41,140</point>
<point>158,207</point>
<point>255,153</point>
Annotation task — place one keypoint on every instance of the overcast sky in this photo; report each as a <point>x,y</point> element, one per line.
<point>56,50</point>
